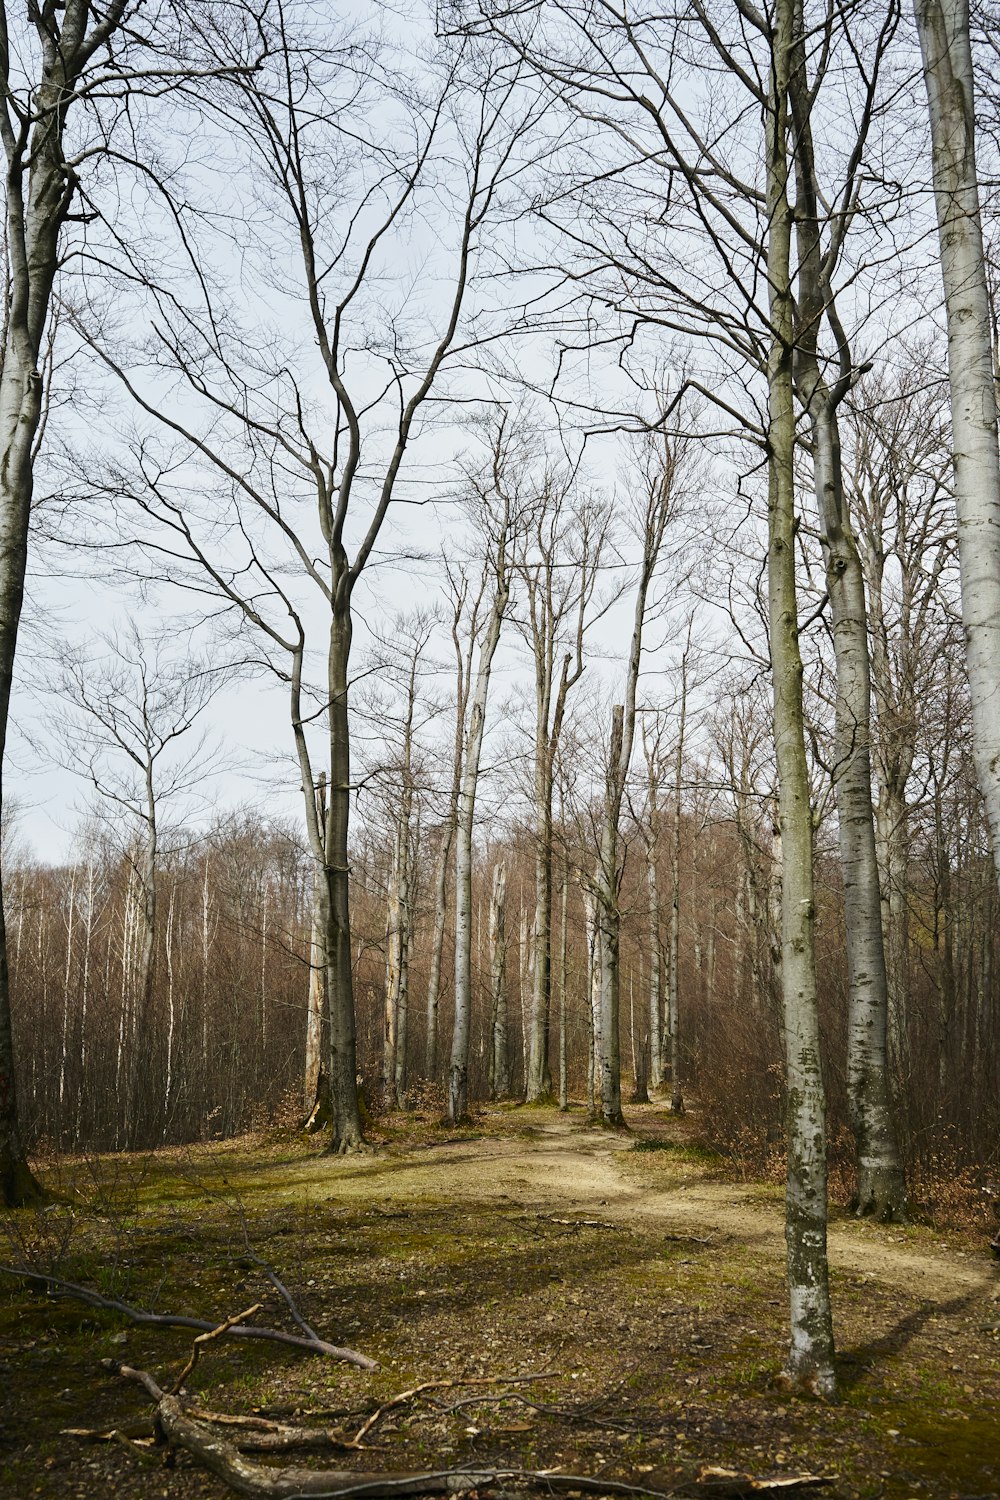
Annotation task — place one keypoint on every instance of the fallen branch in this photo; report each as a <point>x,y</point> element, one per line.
<point>201,1325</point>
<point>206,1338</point>
<point>575,1223</point>
<point>251,1434</point>
<point>281,1289</point>
<point>438,1385</point>
<point>260,1482</point>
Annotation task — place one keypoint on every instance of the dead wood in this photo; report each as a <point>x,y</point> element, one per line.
<point>259,1482</point>
<point>249,1434</point>
<point>439,1385</point>
<point>206,1338</point>
<point>575,1223</point>
<point>286,1296</point>
<point>142,1427</point>
<point>312,1345</point>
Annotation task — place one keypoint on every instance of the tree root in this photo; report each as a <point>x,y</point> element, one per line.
<point>308,1342</point>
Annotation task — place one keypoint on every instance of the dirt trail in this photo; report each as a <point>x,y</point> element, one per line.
<point>561,1167</point>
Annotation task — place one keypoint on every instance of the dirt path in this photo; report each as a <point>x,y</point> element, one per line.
<point>559,1166</point>
<point>487,1254</point>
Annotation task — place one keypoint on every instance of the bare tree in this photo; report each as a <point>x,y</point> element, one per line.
<point>881,1188</point>
<point>130,701</point>
<point>558,562</point>
<point>46,71</point>
<point>945,44</point>
<point>497,513</point>
<point>265,441</point>
<point>810,1359</point>
<point>661,472</point>
<point>897,459</point>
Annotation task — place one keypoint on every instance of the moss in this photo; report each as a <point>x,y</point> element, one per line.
<point>676,1339</point>
<point>688,1151</point>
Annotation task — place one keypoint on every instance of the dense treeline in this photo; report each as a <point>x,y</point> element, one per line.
<point>223,1047</point>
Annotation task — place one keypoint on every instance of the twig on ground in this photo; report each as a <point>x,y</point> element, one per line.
<point>439,1385</point>
<point>580,1416</point>
<point>142,1427</point>
<point>142,1450</point>
<point>206,1338</point>
<point>575,1223</point>
<point>260,1482</point>
<point>287,1297</point>
<point>311,1345</point>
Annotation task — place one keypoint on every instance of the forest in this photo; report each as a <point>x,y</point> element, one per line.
<point>500,736</point>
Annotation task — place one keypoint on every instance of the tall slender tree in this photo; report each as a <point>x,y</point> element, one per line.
<point>946,49</point>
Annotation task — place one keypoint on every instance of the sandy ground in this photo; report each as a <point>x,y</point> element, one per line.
<point>564,1167</point>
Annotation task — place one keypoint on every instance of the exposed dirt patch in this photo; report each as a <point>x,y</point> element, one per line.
<point>648,1291</point>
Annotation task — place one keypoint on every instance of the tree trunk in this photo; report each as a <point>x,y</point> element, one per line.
<point>810,1357</point>
<point>500,1058</point>
<point>892,831</point>
<point>655,968</point>
<point>593,1000</point>
<point>538,1081</point>
<point>316,1002</point>
<point>437,944</point>
<point>458,1074</point>
<point>676,1093</point>
<point>608,1052</point>
<point>393,964</point>
<point>342,1066</point>
<point>406,905</point>
<point>943,27</point>
<point>39,194</point>
<point>881,1189</point>
<point>563,1076</point>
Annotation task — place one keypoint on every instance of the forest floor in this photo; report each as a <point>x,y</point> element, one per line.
<point>624,1269</point>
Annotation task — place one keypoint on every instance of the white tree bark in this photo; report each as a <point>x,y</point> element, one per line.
<point>39,192</point>
<point>458,1073</point>
<point>810,1357</point>
<point>943,27</point>
<point>499,1057</point>
<point>673,990</point>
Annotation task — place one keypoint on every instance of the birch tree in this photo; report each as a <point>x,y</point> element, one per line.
<point>558,563</point>
<point>946,50</point>
<point>881,1189</point>
<point>661,474</point>
<point>810,1357</point>
<point>48,64</point>
<point>497,511</point>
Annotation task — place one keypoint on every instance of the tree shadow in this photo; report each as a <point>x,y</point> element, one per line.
<point>855,1361</point>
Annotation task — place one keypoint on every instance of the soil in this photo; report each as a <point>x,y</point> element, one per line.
<point>623,1268</point>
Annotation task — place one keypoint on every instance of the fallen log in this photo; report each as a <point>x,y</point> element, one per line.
<point>310,1344</point>
<point>261,1482</point>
